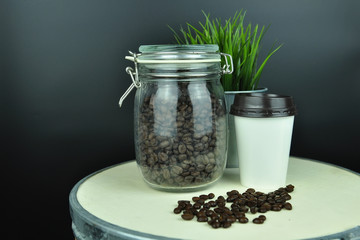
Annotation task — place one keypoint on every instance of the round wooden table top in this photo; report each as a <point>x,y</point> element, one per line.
<point>115,203</point>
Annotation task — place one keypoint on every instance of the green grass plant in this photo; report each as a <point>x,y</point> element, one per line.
<point>242,42</point>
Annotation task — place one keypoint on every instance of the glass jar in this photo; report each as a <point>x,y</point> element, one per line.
<point>180,115</point>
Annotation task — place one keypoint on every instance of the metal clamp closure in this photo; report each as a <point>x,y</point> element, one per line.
<point>134,74</point>
<point>134,77</point>
<point>226,67</point>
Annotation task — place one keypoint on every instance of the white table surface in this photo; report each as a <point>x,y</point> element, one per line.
<point>326,201</point>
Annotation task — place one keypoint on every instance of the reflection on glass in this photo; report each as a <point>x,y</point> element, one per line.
<point>165,102</point>
<point>200,97</point>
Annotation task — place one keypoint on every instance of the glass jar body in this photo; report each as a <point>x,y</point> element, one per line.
<point>180,132</point>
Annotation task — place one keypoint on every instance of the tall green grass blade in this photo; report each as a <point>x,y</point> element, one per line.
<point>259,71</point>
<point>241,41</point>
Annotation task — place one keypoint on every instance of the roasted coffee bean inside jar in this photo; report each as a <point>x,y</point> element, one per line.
<point>181,135</point>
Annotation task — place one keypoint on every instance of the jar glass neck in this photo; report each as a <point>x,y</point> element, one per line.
<point>179,71</point>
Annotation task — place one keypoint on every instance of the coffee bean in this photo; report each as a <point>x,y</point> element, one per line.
<point>231,219</point>
<point>226,225</point>
<point>166,173</point>
<point>276,208</point>
<point>207,206</point>
<point>288,206</point>
<point>189,179</point>
<point>258,221</point>
<point>289,188</point>
<point>253,210</point>
<point>201,212</point>
<point>262,209</point>
<point>182,148</point>
<point>209,213</point>
<point>250,190</point>
<point>239,214</point>
<point>197,205</point>
<point>220,199</point>
<point>176,170</point>
<point>211,221</point>
<point>286,196</point>
<point>221,204</point>
<point>244,209</point>
<point>177,210</point>
<point>190,149</point>
<point>218,210</point>
<point>262,217</point>
<point>222,218</point>
<point>195,199</point>
<point>202,219</point>
<point>243,220</point>
<point>205,139</point>
<point>204,196</point>
<point>211,195</point>
<point>187,216</point>
<point>231,198</point>
<point>215,224</point>
<point>183,202</point>
<point>164,144</point>
<point>182,157</point>
<point>212,203</point>
<point>251,203</point>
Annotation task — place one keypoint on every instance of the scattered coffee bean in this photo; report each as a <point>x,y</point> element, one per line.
<point>177,210</point>
<point>258,221</point>
<point>202,219</point>
<point>276,207</point>
<point>197,205</point>
<point>203,196</point>
<point>187,216</point>
<point>243,220</point>
<point>181,202</point>
<point>201,213</point>
<point>212,203</point>
<point>217,214</point>
<point>289,188</point>
<point>288,206</point>
<point>262,217</point>
<point>211,195</point>
<point>239,214</point>
<point>231,219</point>
<point>209,213</point>
<point>207,205</point>
<point>226,225</point>
<point>195,199</point>
<point>253,210</point>
<point>250,190</point>
<point>215,224</point>
<point>221,199</point>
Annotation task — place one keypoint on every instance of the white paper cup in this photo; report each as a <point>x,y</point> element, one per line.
<point>263,125</point>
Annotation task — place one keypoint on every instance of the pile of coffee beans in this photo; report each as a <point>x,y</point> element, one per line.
<point>205,208</point>
<point>181,135</point>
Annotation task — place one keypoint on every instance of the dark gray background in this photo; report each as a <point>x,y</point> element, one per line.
<point>63,71</point>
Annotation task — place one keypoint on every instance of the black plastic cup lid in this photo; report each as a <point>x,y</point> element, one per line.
<point>263,105</point>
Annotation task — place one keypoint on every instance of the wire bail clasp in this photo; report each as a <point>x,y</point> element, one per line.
<point>134,74</point>
<point>226,67</point>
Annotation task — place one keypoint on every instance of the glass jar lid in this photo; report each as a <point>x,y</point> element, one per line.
<point>178,53</point>
<point>173,62</point>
